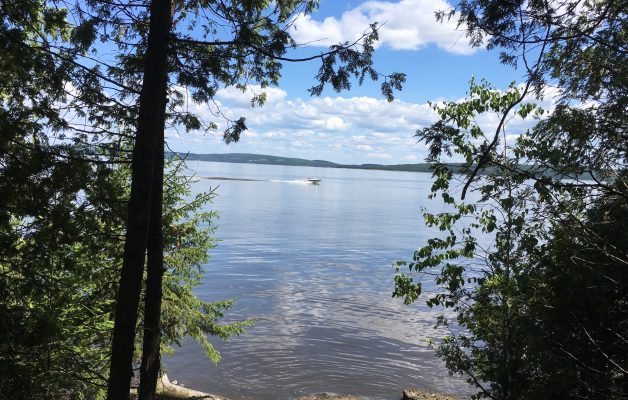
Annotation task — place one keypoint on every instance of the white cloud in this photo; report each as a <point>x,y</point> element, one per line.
<point>346,130</point>
<point>359,138</point>
<point>273,134</point>
<point>249,134</point>
<point>339,129</point>
<point>381,156</point>
<point>336,123</point>
<point>364,147</point>
<point>243,98</point>
<point>411,158</point>
<point>405,25</point>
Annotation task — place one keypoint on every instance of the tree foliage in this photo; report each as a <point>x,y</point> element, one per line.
<point>78,81</point>
<point>58,268</point>
<point>63,226</point>
<point>533,270</point>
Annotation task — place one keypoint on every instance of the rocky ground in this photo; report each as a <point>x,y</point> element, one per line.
<point>416,394</point>
<point>408,394</point>
<point>170,391</point>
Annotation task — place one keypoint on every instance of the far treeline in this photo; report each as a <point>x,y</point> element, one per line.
<point>455,168</point>
<point>102,244</point>
<point>246,158</point>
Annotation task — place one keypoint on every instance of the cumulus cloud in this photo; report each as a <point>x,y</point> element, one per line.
<point>364,147</point>
<point>243,98</point>
<point>405,25</point>
<point>336,123</point>
<point>381,156</point>
<point>345,130</point>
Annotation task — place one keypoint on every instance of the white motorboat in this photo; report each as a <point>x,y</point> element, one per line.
<point>313,181</point>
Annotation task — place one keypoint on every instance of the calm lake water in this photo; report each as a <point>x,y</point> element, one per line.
<point>312,265</point>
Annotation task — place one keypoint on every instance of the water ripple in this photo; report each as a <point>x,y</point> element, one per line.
<point>312,267</point>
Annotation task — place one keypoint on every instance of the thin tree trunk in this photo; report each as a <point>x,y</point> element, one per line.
<point>149,370</point>
<point>149,126</point>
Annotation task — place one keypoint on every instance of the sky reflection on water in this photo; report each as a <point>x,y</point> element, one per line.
<point>312,265</point>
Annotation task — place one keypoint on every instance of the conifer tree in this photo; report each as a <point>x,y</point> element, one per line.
<point>93,73</point>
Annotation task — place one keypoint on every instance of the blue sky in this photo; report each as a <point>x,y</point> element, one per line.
<point>358,126</point>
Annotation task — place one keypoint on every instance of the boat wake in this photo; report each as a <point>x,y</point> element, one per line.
<point>308,181</point>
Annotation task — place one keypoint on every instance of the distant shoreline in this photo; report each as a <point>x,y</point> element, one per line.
<point>247,158</point>
<point>264,159</point>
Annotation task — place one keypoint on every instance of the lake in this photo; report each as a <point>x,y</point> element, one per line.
<point>312,265</point>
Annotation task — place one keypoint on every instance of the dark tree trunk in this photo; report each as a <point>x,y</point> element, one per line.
<point>149,370</point>
<point>149,126</point>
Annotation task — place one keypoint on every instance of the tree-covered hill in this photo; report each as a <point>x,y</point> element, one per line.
<point>248,158</point>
